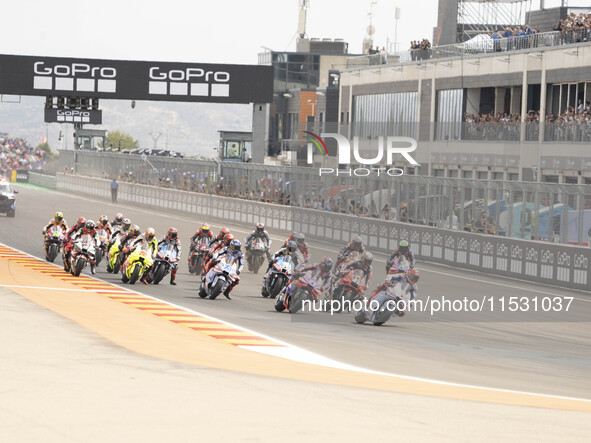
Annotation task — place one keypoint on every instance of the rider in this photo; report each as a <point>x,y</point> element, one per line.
<point>117,220</point>
<point>259,232</point>
<point>300,240</point>
<point>104,224</point>
<point>319,270</point>
<point>290,249</point>
<point>403,250</point>
<point>57,220</point>
<point>364,265</point>
<point>217,249</point>
<point>89,228</point>
<point>121,229</point>
<point>68,243</point>
<point>148,239</point>
<point>171,238</point>
<point>356,244</point>
<point>132,235</point>
<point>408,280</point>
<point>204,232</point>
<point>233,253</point>
<point>215,242</point>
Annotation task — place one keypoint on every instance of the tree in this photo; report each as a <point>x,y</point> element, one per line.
<point>121,140</point>
<point>44,147</point>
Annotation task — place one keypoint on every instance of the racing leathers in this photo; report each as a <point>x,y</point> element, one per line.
<point>63,225</point>
<point>200,235</point>
<point>79,233</point>
<point>166,240</point>
<point>366,269</point>
<point>302,248</point>
<point>233,257</point>
<point>296,257</point>
<point>68,243</point>
<point>408,254</point>
<point>264,236</point>
<point>406,287</point>
<point>346,250</point>
<point>317,272</point>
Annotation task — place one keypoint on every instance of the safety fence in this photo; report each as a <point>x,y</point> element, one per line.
<point>554,264</point>
<point>46,181</point>
<point>527,210</point>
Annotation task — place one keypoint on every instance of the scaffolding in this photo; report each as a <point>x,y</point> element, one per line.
<point>486,16</point>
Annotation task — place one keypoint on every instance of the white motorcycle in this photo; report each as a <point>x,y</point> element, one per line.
<point>221,275</point>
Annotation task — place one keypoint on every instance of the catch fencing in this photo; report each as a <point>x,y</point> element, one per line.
<point>527,210</point>
<point>543,262</point>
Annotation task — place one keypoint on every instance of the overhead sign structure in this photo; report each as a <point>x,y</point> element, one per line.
<point>135,80</point>
<point>90,116</point>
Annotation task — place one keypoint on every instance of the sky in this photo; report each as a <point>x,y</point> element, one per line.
<point>222,31</point>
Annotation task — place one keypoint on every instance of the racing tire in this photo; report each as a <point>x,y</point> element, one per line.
<point>277,286</point>
<point>202,292</point>
<point>117,267</point>
<point>124,278</point>
<point>135,275</point>
<point>217,289</point>
<point>360,317</point>
<point>159,274</point>
<point>279,306</point>
<point>295,304</point>
<point>98,256</point>
<point>80,264</point>
<point>109,268</point>
<point>52,252</point>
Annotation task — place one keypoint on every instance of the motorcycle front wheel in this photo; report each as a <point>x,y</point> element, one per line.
<point>217,289</point>
<point>159,274</point>
<point>80,264</point>
<point>52,252</point>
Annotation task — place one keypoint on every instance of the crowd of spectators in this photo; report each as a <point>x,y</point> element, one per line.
<point>419,50</point>
<point>575,28</point>
<point>16,153</point>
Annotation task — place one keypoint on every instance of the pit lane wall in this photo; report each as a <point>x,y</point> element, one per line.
<point>555,264</point>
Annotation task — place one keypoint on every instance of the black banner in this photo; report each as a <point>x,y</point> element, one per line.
<point>22,176</point>
<point>135,80</point>
<point>90,116</point>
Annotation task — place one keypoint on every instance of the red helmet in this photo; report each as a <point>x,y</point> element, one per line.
<point>81,221</point>
<point>228,239</point>
<point>172,233</point>
<point>150,234</point>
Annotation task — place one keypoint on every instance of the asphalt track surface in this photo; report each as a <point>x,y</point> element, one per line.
<point>545,357</point>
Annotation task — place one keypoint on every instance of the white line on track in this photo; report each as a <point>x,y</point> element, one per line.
<point>295,353</point>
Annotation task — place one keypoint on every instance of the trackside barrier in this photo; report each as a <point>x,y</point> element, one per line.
<point>47,181</point>
<point>549,263</point>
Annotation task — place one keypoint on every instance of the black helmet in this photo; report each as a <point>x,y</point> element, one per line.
<point>135,230</point>
<point>90,225</point>
<point>326,264</point>
<point>291,247</point>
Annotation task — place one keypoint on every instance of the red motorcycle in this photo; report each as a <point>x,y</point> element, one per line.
<point>197,256</point>
<point>347,288</point>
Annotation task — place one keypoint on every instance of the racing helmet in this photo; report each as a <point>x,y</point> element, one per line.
<point>58,217</point>
<point>357,242</point>
<point>291,247</point>
<point>223,233</point>
<point>326,264</point>
<point>367,258</point>
<point>150,234</point>
<point>119,217</point>
<point>413,276</point>
<point>260,227</point>
<point>81,222</point>
<point>205,228</point>
<point>125,224</point>
<point>403,246</point>
<point>235,246</point>
<point>90,225</point>
<point>299,238</point>
<point>103,220</point>
<point>134,231</point>
<point>172,233</point>
<point>228,238</point>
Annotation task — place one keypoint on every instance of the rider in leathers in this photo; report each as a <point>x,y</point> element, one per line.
<point>364,265</point>
<point>403,250</point>
<point>408,280</point>
<point>354,245</point>
<point>259,232</point>
<point>234,254</point>
<point>319,270</point>
<point>300,241</point>
<point>90,229</point>
<point>172,239</point>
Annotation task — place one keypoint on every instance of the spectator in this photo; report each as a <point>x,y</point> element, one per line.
<point>16,153</point>
<point>403,213</point>
<point>114,189</point>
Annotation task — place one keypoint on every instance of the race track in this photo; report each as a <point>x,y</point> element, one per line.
<point>546,357</point>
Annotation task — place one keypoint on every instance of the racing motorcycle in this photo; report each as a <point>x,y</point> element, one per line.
<point>113,256</point>
<point>165,259</point>
<point>103,238</point>
<point>83,253</point>
<point>386,303</point>
<point>351,257</point>
<point>138,262</point>
<point>218,277</point>
<point>347,288</point>
<point>197,256</point>
<point>278,276</point>
<point>255,255</point>
<point>54,239</point>
<point>304,288</point>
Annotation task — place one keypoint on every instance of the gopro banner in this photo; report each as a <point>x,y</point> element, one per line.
<point>91,116</point>
<point>135,80</point>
